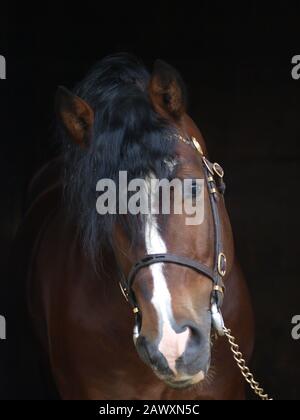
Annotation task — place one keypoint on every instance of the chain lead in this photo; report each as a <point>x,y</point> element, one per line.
<point>249,378</point>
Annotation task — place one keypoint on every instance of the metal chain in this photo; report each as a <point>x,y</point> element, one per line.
<point>238,357</point>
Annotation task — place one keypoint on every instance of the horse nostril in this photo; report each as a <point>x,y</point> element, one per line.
<point>196,349</point>
<point>150,355</point>
<point>142,348</point>
<point>194,334</point>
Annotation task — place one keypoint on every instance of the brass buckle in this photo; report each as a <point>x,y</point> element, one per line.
<point>218,170</point>
<point>197,145</point>
<point>124,292</point>
<point>222,260</point>
<point>207,164</point>
<point>218,289</point>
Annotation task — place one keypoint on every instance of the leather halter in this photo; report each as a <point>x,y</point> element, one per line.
<point>214,181</point>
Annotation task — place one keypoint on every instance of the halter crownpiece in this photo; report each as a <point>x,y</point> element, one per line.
<point>214,180</point>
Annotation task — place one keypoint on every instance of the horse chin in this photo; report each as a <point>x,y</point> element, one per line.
<point>183,382</point>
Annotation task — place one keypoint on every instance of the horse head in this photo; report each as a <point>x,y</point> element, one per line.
<point>120,118</point>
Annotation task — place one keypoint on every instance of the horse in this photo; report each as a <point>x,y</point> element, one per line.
<point>159,342</point>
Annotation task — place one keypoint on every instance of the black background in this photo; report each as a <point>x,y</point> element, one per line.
<point>236,61</point>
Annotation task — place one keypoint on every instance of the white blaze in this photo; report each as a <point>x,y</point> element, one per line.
<point>172,345</point>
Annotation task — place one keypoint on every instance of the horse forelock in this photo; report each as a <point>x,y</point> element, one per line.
<point>128,135</point>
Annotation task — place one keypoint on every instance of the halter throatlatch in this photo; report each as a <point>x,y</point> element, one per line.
<point>213,174</point>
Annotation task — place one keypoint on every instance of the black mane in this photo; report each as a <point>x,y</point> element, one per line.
<point>128,135</point>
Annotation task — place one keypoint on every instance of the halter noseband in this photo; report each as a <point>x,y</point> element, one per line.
<point>214,180</point>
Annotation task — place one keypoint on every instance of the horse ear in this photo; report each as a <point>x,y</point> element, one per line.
<point>167,91</point>
<point>76,115</point>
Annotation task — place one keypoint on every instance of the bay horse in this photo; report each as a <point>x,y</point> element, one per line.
<point>123,118</point>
